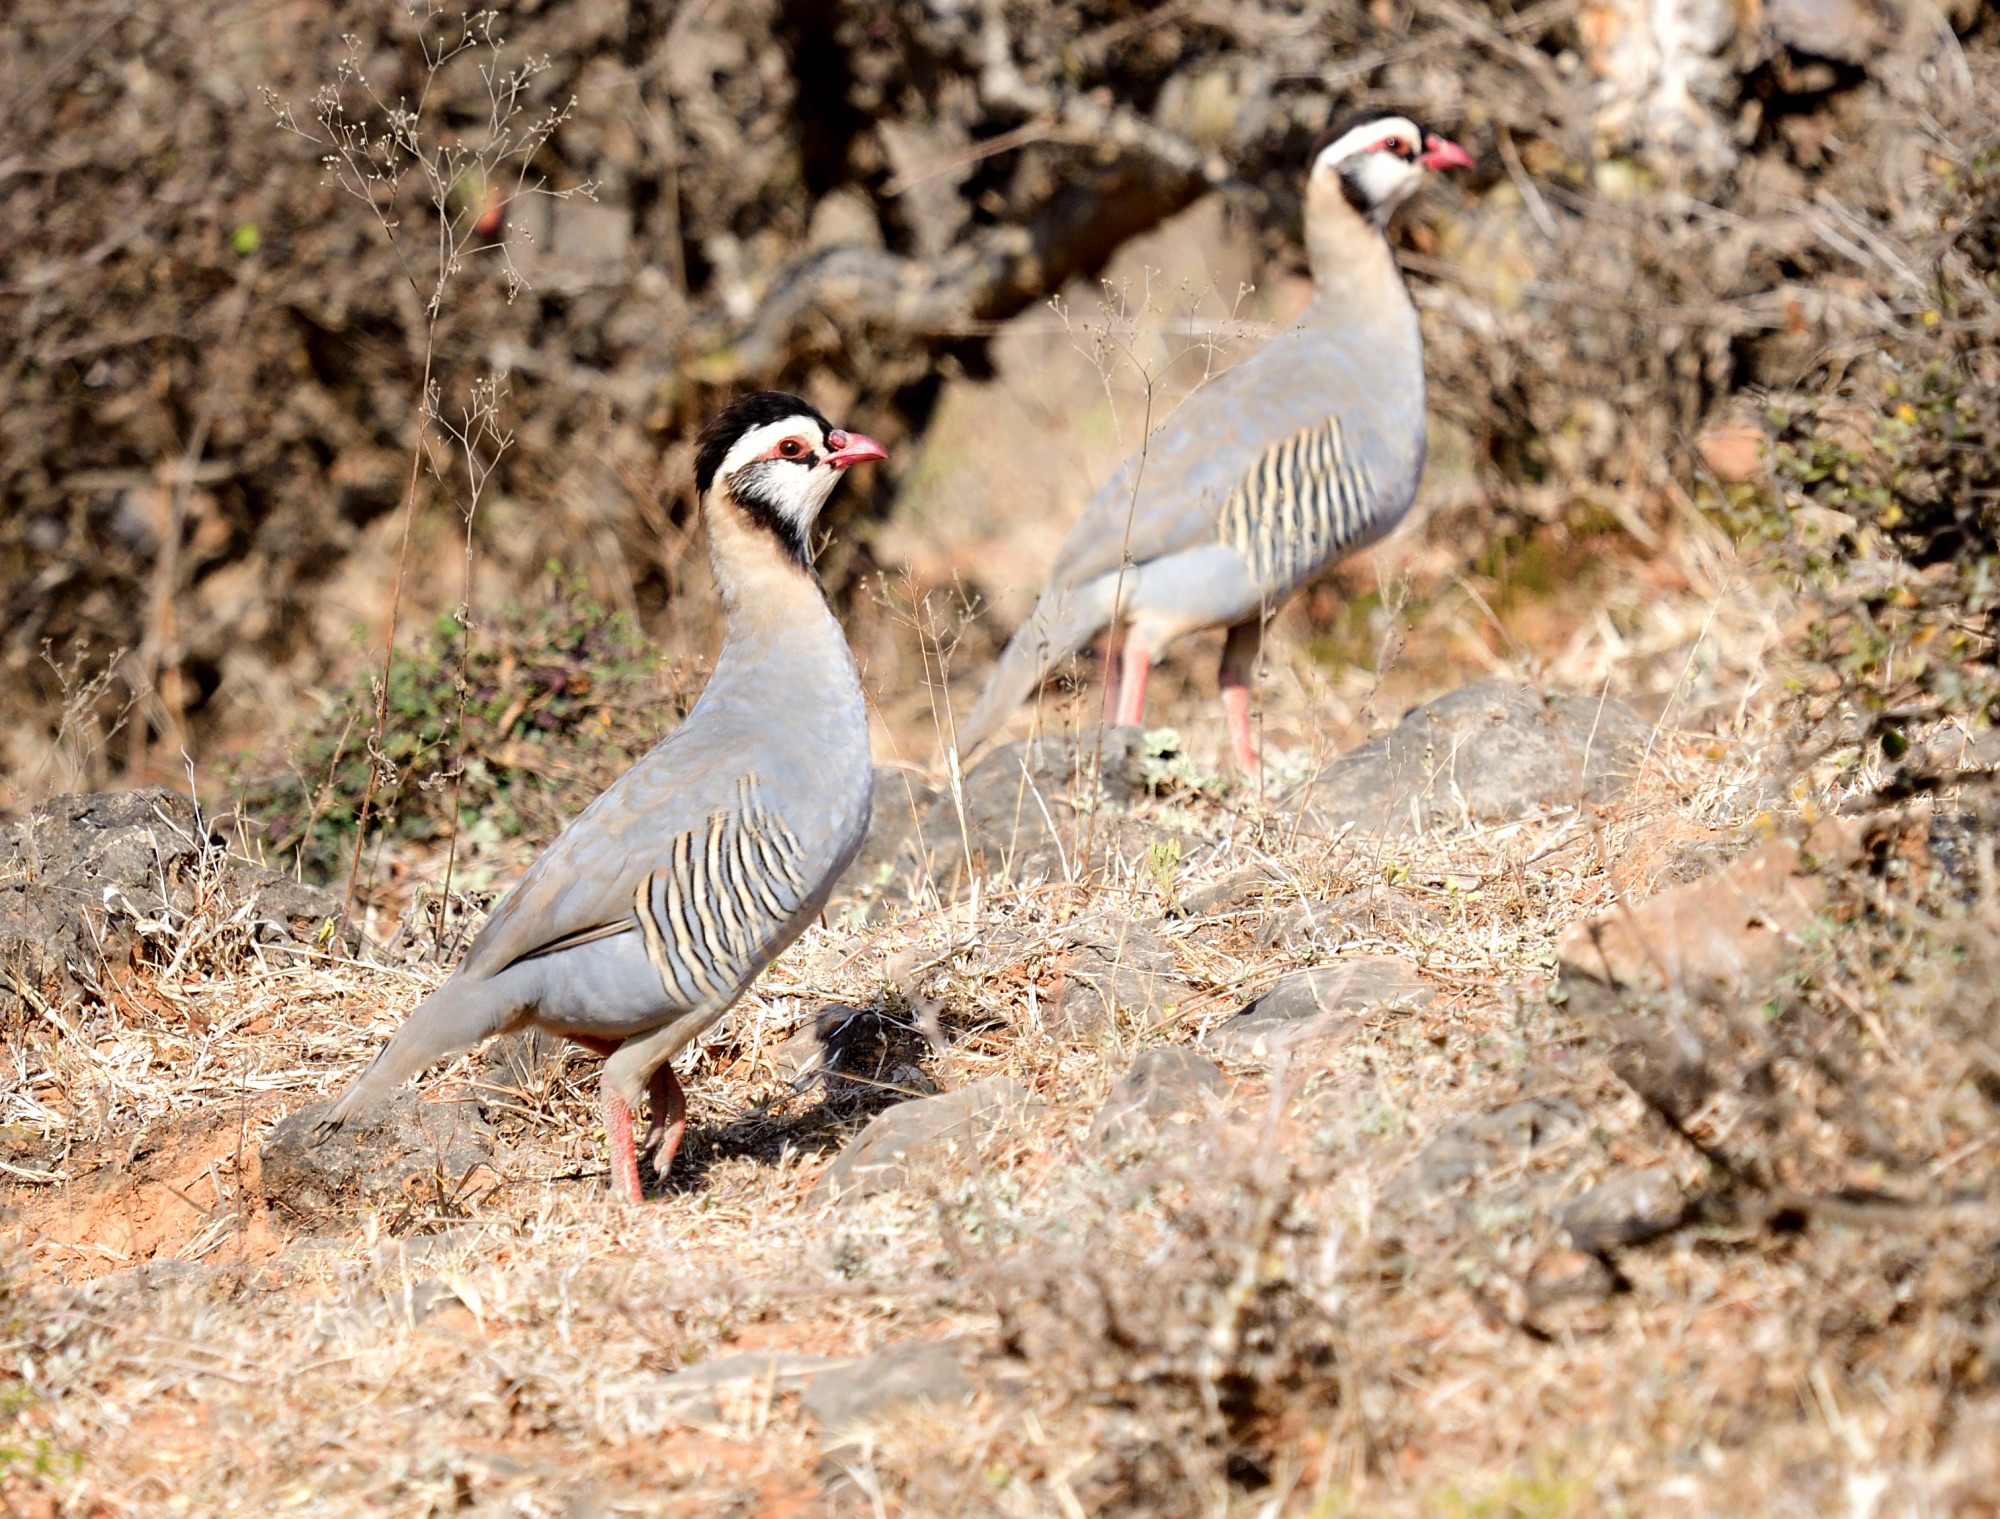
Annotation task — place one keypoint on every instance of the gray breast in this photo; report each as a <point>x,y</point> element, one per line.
<point>1307,499</point>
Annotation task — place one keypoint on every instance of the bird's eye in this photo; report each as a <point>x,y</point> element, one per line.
<point>791,448</point>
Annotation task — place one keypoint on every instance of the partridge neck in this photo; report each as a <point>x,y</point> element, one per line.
<point>767,596</point>
<point>1353,268</point>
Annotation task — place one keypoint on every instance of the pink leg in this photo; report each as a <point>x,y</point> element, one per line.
<point>1236,710</point>
<point>618,1137</point>
<point>1132,683</point>
<point>617,1127</point>
<point>1240,654</point>
<point>669,1111</point>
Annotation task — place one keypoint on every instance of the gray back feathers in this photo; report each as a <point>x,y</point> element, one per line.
<point>1362,370</point>
<point>781,717</point>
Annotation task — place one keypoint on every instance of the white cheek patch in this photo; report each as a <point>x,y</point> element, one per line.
<point>1365,139</point>
<point>1383,178</point>
<point>795,492</point>
<point>761,440</point>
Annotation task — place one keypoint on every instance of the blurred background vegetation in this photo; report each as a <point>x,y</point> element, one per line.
<point>1715,266</point>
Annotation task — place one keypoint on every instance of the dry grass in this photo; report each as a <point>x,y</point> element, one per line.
<point>1286,1330</point>
<point>1284,1313</point>
<point>1276,1317</point>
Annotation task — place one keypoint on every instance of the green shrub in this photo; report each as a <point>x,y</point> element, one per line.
<point>1887,495</point>
<point>557,700</point>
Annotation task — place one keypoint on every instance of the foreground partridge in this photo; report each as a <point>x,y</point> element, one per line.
<point>655,909</point>
<point>1306,451</point>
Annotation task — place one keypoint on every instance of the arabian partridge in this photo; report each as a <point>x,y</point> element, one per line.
<point>1305,451</point>
<point>655,909</point>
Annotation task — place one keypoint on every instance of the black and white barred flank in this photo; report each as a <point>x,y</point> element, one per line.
<point>1304,502</point>
<point>729,889</point>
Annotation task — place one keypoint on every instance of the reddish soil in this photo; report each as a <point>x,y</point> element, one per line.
<point>184,1186</point>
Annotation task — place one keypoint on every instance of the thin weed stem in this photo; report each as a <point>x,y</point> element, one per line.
<point>372,150</point>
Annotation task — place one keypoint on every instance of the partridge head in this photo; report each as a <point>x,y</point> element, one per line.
<point>1375,162</point>
<point>779,460</point>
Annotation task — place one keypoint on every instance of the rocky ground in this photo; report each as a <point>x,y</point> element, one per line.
<point>1568,1085</point>
<point>1534,1111</point>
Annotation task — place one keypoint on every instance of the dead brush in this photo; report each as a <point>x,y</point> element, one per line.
<point>1194,1347</point>
<point>1847,1115</point>
<point>1864,1083</point>
<point>399,158</point>
<point>91,712</point>
<point>197,927</point>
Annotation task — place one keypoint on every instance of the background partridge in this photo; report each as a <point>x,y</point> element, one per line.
<point>1307,450</point>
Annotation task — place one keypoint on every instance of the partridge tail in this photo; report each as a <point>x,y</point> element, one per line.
<point>455,1017</point>
<point>1064,620</point>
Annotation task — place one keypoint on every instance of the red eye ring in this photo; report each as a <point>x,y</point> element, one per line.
<point>791,448</point>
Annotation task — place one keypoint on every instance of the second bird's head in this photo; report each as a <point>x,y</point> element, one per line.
<point>780,460</point>
<point>1377,160</point>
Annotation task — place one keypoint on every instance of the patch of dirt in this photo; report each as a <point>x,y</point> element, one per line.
<point>185,1190</point>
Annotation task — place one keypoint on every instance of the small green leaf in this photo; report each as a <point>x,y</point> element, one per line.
<point>1162,859</point>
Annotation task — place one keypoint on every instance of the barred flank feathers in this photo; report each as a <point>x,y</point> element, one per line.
<point>1303,503</point>
<point>729,888</point>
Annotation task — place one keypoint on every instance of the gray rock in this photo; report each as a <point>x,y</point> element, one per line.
<point>405,1151</point>
<point>347,1328</point>
<point>913,1137</point>
<point>714,1392</point>
<point>1629,1209</point>
<point>1233,891</point>
<point>890,863</point>
<point>1509,1137</point>
<point>855,1396</point>
<point>934,157</point>
<point>311,1257</point>
<point>1560,1277</point>
<point>1488,753</point>
<point>1516,1196</point>
<point>406,1250</point>
<point>855,1047</point>
<point>1116,966</point>
<point>428,1298</point>
<point>570,246</point>
<point>852,1053</point>
<point>594,237</point>
<point>151,1276</point>
<point>92,880</point>
<point>1167,1087</point>
<point>1319,1003</point>
<point>803,1054</point>
<point>1317,928</point>
<point>844,219</point>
